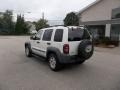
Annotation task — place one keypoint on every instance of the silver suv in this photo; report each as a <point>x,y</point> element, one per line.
<point>61,45</point>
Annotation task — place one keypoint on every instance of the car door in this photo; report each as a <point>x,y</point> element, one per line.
<point>36,43</point>
<point>46,41</point>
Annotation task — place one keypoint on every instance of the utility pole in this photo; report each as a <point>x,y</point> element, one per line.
<point>43,16</point>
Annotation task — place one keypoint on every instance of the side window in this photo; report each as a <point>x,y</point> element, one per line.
<point>38,35</point>
<point>47,35</point>
<point>58,35</point>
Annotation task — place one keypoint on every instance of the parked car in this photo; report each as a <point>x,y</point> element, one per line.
<point>61,45</point>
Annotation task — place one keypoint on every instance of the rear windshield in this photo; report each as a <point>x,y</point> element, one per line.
<point>77,34</point>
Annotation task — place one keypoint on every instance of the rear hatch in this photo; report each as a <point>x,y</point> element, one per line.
<point>75,36</point>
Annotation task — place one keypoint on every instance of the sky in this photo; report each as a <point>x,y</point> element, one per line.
<point>53,9</point>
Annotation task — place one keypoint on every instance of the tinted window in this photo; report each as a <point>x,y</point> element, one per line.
<point>77,34</point>
<point>116,13</point>
<point>47,35</point>
<point>58,35</point>
<point>86,34</point>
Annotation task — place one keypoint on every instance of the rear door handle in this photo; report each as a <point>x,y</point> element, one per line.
<point>38,42</point>
<point>48,43</point>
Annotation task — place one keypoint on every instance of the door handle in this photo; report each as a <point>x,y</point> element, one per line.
<point>48,43</point>
<point>38,42</point>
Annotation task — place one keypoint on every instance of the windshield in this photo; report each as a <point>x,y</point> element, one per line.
<point>77,34</point>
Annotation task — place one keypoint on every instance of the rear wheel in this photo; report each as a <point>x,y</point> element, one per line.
<point>53,62</point>
<point>28,51</point>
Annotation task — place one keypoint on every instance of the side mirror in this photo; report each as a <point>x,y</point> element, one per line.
<point>33,37</point>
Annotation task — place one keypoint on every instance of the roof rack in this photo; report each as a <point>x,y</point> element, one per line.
<point>56,25</point>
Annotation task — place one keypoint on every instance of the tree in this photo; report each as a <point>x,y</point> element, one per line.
<point>1,26</point>
<point>6,21</point>
<point>71,19</point>
<point>42,23</point>
<point>21,26</point>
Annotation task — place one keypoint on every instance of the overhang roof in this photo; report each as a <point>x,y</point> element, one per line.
<point>89,6</point>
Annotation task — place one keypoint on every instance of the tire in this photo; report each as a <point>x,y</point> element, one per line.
<point>53,62</point>
<point>28,52</point>
<point>85,50</point>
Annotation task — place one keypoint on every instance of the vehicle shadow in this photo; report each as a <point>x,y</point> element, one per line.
<point>65,67</point>
<point>39,59</point>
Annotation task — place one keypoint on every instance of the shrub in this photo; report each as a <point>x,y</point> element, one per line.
<point>106,40</point>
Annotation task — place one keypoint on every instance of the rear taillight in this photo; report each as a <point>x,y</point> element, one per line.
<point>66,49</point>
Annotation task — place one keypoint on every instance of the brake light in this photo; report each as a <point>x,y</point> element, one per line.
<point>66,49</point>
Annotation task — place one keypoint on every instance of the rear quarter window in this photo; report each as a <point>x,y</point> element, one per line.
<point>77,34</point>
<point>58,35</point>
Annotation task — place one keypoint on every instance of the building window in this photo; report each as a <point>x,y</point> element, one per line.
<point>116,13</point>
<point>117,16</point>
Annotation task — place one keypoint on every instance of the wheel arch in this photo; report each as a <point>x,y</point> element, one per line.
<point>27,44</point>
<point>53,50</point>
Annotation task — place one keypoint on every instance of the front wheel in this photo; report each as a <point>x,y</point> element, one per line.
<point>28,51</point>
<point>53,62</point>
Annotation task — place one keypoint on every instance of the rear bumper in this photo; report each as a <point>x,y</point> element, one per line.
<point>63,58</point>
<point>68,59</point>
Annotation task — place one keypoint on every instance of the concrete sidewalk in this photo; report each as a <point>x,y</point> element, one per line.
<point>115,50</point>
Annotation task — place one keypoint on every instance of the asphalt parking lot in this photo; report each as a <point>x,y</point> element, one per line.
<point>17,72</point>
